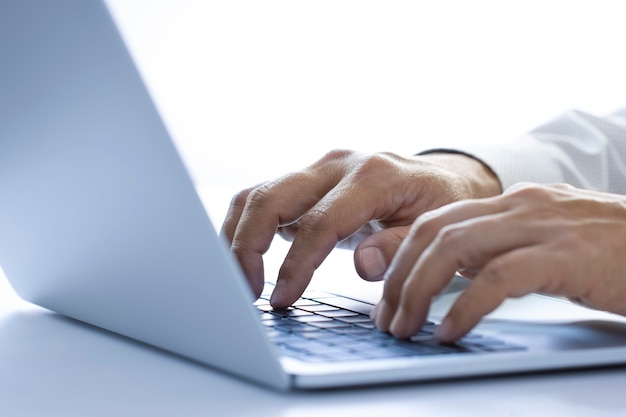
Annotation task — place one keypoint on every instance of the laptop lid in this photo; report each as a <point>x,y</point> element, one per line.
<point>99,220</point>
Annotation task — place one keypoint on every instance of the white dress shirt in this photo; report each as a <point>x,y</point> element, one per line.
<point>575,148</point>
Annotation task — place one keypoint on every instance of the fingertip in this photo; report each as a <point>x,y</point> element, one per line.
<point>383,316</point>
<point>445,332</point>
<point>401,326</point>
<point>278,299</point>
<point>408,319</point>
<point>290,285</point>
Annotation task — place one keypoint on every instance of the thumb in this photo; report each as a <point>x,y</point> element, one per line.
<point>374,254</point>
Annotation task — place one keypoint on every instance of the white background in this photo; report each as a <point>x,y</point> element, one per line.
<point>251,89</point>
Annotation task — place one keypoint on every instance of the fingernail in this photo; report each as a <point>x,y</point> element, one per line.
<point>373,262</point>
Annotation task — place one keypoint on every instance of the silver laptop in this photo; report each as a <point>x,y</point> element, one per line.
<point>100,221</point>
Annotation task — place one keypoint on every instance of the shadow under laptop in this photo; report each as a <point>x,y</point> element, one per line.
<point>72,368</point>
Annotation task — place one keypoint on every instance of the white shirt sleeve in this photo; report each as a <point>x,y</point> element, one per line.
<point>575,148</point>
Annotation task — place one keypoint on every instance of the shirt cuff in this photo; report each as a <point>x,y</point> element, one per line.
<point>524,160</point>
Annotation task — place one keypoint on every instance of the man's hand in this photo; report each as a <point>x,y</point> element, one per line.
<point>365,201</point>
<point>550,239</point>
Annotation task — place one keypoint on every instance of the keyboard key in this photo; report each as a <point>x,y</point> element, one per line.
<point>318,308</point>
<point>349,304</point>
<point>282,324</point>
<point>325,335</point>
<point>423,348</point>
<point>317,295</point>
<point>338,313</point>
<point>313,318</point>
<point>289,312</point>
<point>333,324</point>
<point>304,328</point>
<point>305,303</point>
<point>266,316</point>
<point>359,318</point>
<point>264,307</point>
<point>350,330</point>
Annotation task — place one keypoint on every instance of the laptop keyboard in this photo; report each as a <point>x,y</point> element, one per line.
<point>322,327</point>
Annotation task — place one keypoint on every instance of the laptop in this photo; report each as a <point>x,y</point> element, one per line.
<point>100,221</point>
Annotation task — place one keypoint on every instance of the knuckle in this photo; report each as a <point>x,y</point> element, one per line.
<point>537,192</point>
<point>419,228</point>
<point>539,199</point>
<point>495,271</point>
<point>374,164</point>
<point>563,187</point>
<point>332,164</point>
<point>427,224</point>
<point>337,155</point>
<point>453,239</point>
<point>525,190</point>
<point>239,249</point>
<point>519,186</point>
<point>240,199</point>
<point>259,196</point>
<point>315,221</point>
<point>449,235</point>
<point>499,279</point>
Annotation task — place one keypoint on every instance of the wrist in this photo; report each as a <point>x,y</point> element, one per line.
<point>480,180</point>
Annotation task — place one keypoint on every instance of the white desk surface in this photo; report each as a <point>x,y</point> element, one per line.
<point>50,365</point>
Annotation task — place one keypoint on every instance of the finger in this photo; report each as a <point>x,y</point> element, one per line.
<point>513,274</point>
<point>278,203</point>
<point>420,235</point>
<point>374,254</point>
<point>229,226</point>
<point>289,231</point>
<point>342,212</point>
<point>470,243</point>
<point>266,208</point>
<point>233,215</point>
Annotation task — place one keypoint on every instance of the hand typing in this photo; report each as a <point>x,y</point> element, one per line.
<point>365,201</point>
<point>533,238</point>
